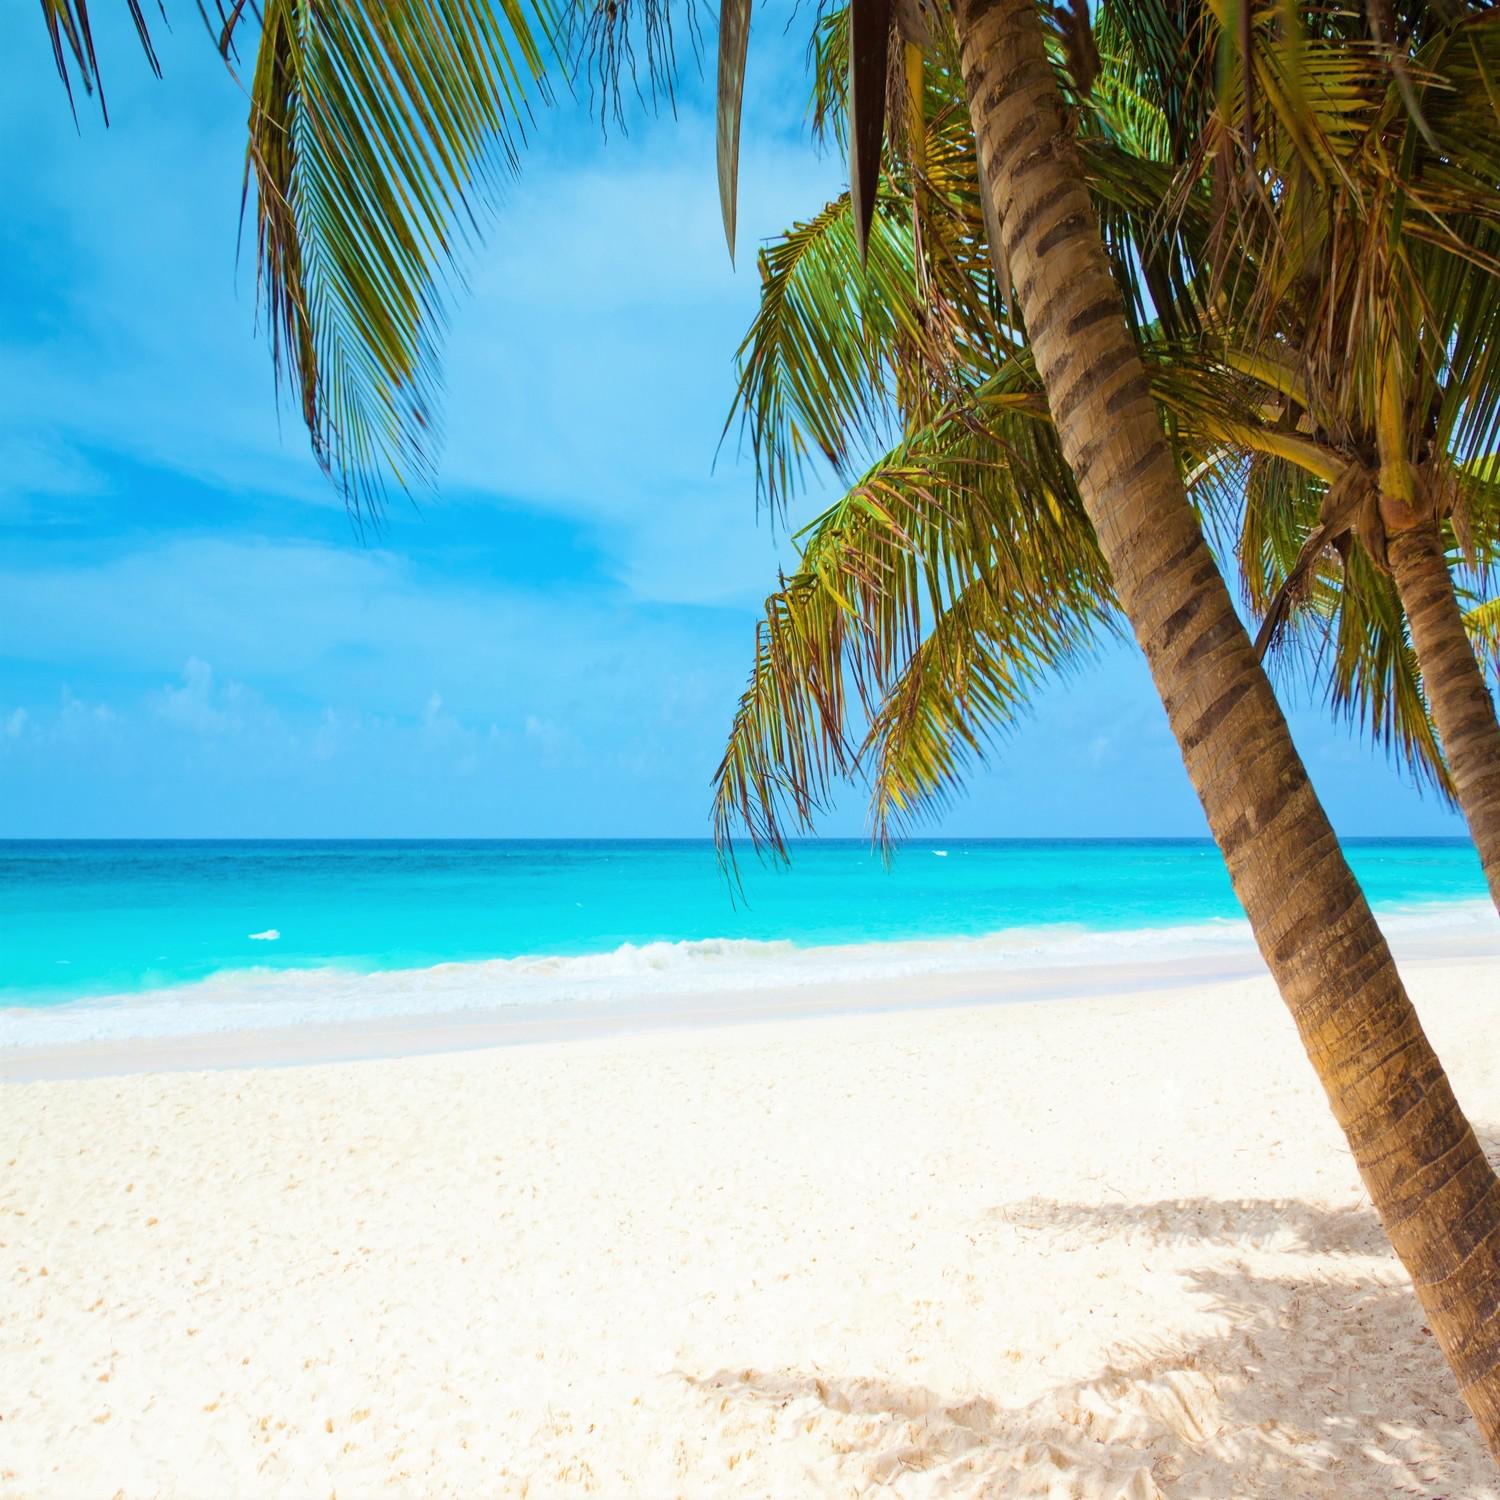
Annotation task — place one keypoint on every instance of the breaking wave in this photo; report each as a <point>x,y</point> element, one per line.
<point>241,999</point>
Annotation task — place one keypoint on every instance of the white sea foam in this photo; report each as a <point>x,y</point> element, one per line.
<point>261,997</point>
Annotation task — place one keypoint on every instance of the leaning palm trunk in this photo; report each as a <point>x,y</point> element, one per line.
<point>1434,1190</point>
<point>1461,706</point>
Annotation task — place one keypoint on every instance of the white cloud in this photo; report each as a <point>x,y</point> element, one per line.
<point>592,370</point>
<point>77,719</point>
<point>331,735</point>
<point>195,706</point>
<point>73,722</point>
<point>555,744</point>
<point>441,730</point>
<point>361,631</point>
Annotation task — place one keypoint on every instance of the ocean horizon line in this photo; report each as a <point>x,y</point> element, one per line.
<point>705,840</point>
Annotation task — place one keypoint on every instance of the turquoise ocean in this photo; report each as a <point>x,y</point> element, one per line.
<point>146,938</point>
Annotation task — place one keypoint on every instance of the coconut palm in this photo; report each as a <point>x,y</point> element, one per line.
<point>370,128</point>
<point>974,504</point>
<point>1437,1196</point>
<point>1366,226</point>
<point>793,399</point>
<point>1436,1193</point>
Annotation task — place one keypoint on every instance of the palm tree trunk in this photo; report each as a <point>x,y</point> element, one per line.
<point>1460,702</point>
<point>1436,1194</point>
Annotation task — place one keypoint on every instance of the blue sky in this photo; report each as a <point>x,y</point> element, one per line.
<point>195,642</point>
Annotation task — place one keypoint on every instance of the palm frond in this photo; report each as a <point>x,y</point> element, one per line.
<point>72,36</point>
<point>1483,625</point>
<point>959,571</point>
<point>869,68</point>
<point>1373,676</point>
<point>834,341</point>
<point>373,133</point>
<point>734,38</point>
<point>842,354</point>
<point>1336,170</point>
<point>621,46</point>
<point>967,686</point>
<point>1344,635</point>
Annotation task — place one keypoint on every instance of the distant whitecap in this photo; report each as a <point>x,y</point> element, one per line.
<point>941,853</point>
<point>268,936</point>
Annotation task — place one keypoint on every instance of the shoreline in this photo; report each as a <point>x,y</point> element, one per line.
<point>1114,1247</point>
<point>509,1024</point>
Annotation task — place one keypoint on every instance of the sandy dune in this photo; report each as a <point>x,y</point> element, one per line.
<point>1103,1248</point>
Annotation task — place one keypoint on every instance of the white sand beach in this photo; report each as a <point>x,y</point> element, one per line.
<point>1105,1247</point>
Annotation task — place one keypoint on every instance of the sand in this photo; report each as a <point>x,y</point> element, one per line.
<point>1107,1247</point>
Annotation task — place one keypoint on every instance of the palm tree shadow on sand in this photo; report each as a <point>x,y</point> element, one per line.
<point>1322,1385</point>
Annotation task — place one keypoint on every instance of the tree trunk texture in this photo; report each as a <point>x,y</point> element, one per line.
<point>1436,1194</point>
<point>1460,702</point>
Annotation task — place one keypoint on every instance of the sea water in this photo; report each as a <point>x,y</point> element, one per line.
<point>109,939</point>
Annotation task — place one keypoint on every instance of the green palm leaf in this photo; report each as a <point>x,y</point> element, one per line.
<point>1483,624</point>
<point>372,129</point>
<point>930,602</point>
<point>376,133</point>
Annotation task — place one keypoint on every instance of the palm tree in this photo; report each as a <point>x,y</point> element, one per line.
<point>912,321</point>
<point>1370,236</point>
<point>837,344</point>
<point>1436,1194</point>
<point>369,130</point>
